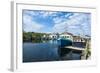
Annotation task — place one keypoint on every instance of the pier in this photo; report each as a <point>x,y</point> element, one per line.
<point>75,48</point>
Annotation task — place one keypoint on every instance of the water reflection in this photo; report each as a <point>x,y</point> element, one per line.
<point>68,54</point>
<point>46,51</point>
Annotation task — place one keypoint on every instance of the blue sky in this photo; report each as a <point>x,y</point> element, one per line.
<point>56,22</point>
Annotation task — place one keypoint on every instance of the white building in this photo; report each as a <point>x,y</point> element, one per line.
<point>54,36</point>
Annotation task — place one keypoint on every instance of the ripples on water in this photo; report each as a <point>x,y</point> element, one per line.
<point>45,51</point>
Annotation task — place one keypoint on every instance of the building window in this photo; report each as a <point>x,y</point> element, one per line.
<point>67,36</point>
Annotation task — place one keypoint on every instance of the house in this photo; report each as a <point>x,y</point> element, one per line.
<point>54,36</point>
<point>45,37</point>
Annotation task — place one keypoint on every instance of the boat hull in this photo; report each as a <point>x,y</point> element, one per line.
<point>64,42</point>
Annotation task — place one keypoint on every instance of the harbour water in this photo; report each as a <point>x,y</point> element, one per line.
<point>46,51</point>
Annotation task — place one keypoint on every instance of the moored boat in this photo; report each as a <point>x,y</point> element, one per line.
<point>62,42</point>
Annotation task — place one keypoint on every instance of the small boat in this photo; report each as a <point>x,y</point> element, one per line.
<point>62,42</point>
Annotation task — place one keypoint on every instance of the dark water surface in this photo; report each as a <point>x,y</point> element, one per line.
<point>46,51</point>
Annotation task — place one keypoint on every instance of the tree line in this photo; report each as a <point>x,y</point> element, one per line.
<point>33,36</point>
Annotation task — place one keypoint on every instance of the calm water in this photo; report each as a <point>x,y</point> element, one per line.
<point>46,51</point>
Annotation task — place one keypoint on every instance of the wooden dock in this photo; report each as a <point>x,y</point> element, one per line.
<point>75,48</point>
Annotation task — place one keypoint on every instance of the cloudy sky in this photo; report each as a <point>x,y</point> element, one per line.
<point>51,22</point>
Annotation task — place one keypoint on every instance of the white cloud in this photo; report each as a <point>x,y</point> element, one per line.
<point>40,13</point>
<point>60,19</point>
<point>47,13</point>
<point>57,20</point>
<point>30,25</point>
<point>30,12</point>
<point>60,27</point>
<point>78,21</point>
